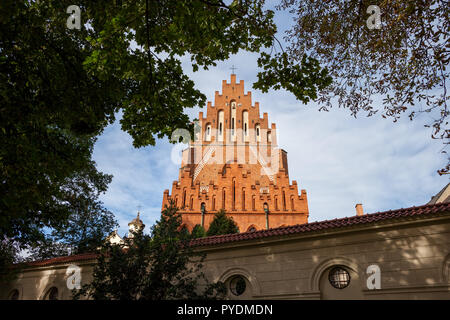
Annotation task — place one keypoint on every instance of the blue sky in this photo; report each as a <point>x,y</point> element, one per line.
<point>338,159</point>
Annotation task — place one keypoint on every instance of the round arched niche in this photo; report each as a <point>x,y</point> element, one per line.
<point>52,293</point>
<point>321,279</point>
<point>237,287</point>
<point>60,284</point>
<point>231,277</point>
<point>14,294</point>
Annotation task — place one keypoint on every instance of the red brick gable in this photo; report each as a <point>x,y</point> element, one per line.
<point>235,164</point>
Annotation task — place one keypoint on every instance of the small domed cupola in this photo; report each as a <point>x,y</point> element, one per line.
<point>135,225</point>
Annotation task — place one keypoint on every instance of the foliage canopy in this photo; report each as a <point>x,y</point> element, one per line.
<point>159,266</point>
<point>403,64</point>
<point>60,87</point>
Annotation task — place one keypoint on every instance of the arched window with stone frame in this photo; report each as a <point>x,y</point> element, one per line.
<point>257,133</point>
<point>245,127</point>
<point>14,295</point>
<point>220,125</point>
<point>233,120</point>
<point>208,132</point>
<point>183,205</point>
<point>233,207</point>
<point>51,294</point>
<point>223,198</point>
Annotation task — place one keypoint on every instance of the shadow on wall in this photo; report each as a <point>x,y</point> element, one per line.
<point>411,263</point>
<point>50,285</point>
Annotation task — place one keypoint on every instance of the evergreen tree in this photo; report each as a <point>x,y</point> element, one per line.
<point>222,224</point>
<point>158,266</point>
<point>198,232</point>
<point>184,231</point>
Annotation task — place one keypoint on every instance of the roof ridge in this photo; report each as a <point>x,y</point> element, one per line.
<point>61,259</point>
<point>286,230</point>
<point>330,223</point>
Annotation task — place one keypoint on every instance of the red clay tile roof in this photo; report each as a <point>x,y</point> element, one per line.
<point>66,259</point>
<point>425,210</point>
<point>422,211</point>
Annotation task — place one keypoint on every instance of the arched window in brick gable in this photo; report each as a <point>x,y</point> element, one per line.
<point>257,133</point>
<point>234,194</point>
<point>220,125</point>
<point>223,198</point>
<point>184,199</point>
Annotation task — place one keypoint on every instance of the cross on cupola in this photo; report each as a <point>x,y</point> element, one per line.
<point>233,68</point>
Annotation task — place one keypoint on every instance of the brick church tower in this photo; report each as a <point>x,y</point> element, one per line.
<point>234,163</point>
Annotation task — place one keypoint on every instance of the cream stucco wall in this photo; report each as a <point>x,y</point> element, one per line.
<point>413,257</point>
